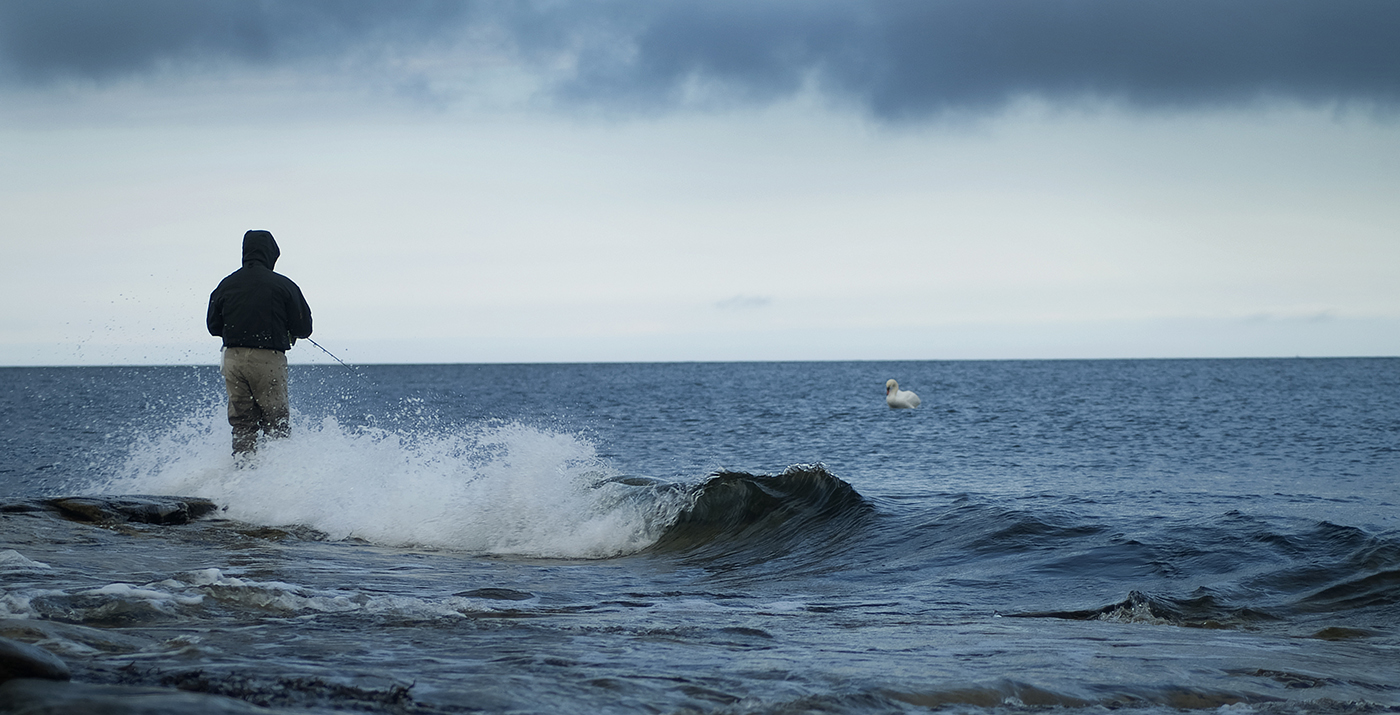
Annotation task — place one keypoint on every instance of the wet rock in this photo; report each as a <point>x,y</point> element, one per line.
<point>28,696</point>
<point>139,508</point>
<point>22,507</point>
<point>21,660</point>
<point>274,533</point>
<point>496,594</point>
<point>298,694</point>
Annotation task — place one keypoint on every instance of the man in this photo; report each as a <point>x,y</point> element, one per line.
<point>259,314</point>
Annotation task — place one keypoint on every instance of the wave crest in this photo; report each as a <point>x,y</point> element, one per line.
<point>742,518</point>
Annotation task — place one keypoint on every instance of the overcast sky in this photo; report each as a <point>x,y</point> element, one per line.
<point>706,180</point>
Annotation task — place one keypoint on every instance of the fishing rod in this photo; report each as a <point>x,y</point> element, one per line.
<point>333,357</point>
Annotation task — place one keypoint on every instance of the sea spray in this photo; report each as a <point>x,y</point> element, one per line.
<point>493,488</point>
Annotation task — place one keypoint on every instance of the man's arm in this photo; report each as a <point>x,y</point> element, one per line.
<point>215,319</point>
<point>298,316</point>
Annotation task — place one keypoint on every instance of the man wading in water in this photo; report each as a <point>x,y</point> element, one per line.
<point>259,314</point>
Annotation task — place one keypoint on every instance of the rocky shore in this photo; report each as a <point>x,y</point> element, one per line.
<point>34,681</point>
<point>109,510</point>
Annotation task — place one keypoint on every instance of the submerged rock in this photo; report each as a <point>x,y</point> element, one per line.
<point>71,637</point>
<point>28,696</point>
<point>137,508</point>
<point>1339,633</point>
<point>629,481</point>
<point>21,660</point>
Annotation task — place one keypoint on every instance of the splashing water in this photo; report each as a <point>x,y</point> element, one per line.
<point>497,488</point>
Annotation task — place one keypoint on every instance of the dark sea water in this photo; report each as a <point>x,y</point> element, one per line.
<point>1076,536</point>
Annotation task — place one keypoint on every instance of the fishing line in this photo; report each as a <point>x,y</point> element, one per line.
<point>367,381</point>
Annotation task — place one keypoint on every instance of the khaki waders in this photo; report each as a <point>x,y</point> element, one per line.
<point>256,380</point>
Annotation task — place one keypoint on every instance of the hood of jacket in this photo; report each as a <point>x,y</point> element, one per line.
<point>258,247</point>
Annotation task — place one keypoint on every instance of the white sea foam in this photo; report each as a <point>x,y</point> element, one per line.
<point>15,605</point>
<point>160,599</point>
<point>191,589</point>
<point>195,589</point>
<point>300,600</point>
<point>498,488</point>
<point>13,563</point>
<point>20,604</point>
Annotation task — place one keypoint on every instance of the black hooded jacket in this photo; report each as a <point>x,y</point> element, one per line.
<point>256,308</point>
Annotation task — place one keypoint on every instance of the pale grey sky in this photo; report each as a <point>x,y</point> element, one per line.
<point>462,182</point>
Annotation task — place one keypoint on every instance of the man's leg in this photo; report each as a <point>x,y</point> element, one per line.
<point>267,378</point>
<point>244,414</point>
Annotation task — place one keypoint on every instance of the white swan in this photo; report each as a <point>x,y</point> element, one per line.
<point>899,399</point>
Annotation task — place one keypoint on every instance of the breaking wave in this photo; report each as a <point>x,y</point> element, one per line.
<point>496,488</point>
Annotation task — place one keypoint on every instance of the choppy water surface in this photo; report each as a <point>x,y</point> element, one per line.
<point>755,537</point>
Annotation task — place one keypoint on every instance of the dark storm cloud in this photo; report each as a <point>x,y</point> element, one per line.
<point>895,58</point>
<point>919,56</point>
<point>103,39</point>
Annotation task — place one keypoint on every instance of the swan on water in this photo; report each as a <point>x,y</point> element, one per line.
<point>899,399</point>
